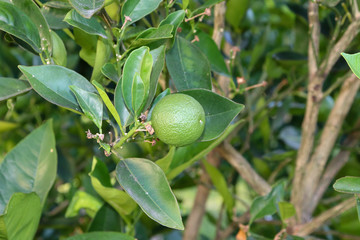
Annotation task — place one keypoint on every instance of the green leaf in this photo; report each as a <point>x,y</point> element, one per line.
<point>100,180</point>
<point>10,87</point>
<point>157,99</point>
<point>107,102</point>
<point>267,205</point>
<point>152,34</point>
<point>34,13</point>
<point>158,56</point>
<point>103,54</point>
<point>358,206</point>
<point>186,156</point>
<point>7,126</point>
<point>91,26</point>
<point>101,235</point>
<point>207,4</point>
<point>165,162</point>
<point>286,210</point>
<point>146,183</point>
<point>353,60</point>
<point>137,9</point>
<point>139,62</point>
<point>348,185</point>
<point>109,70</point>
<point>30,166</point>
<point>88,45</point>
<point>207,45</point>
<point>59,50</point>
<point>17,23</point>
<point>125,116</point>
<point>21,217</point>
<point>219,112</point>
<point>83,200</point>
<point>87,8</point>
<point>174,19</point>
<point>55,17</point>
<point>221,186</point>
<point>106,219</point>
<point>188,66</point>
<point>138,95</point>
<point>53,83</point>
<point>90,103</point>
<point>235,11</point>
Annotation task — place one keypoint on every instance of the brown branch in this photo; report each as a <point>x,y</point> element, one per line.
<point>329,135</point>
<point>312,109</point>
<point>334,167</point>
<point>310,227</point>
<point>245,170</point>
<point>194,220</point>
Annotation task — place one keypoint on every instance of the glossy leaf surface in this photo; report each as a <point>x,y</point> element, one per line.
<point>30,166</point>
<point>90,103</point>
<point>146,183</point>
<point>17,23</point>
<point>106,219</point>
<point>10,87</point>
<point>33,12</point>
<point>137,9</point>
<point>21,217</point>
<point>87,8</point>
<point>91,26</point>
<point>53,83</point>
<point>353,60</point>
<point>110,71</point>
<point>348,185</point>
<point>59,50</point>
<point>188,66</point>
<point>100,180</point>
<point>139,63</point>
<point>153,34</point>
<point>83,200</point>
<point>219,112</point>
<point>124,113</point>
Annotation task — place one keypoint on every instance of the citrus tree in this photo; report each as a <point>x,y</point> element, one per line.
<point>121,119</point>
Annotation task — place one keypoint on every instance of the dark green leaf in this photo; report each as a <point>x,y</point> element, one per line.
<point>157,99</point>
<point>125,116</point>
<point>152,34</point>
<point>358,206</point>
<point>34,13</point>
<point>55,17</point>
<point>106,219</point>
<point>139,62</point>
<point>289,58</point>
<point>221,186</point>
<point>30,166</point>
<point>353,60</point>
<point>330,3</point>
<point>146,183</point>
<point>17,23</point>
<point>83,200</point>
<point>101,235</point>
<point>100,180</point>
<point>87,8</point>
<point>158,56</point>
<point>207,4</point>
<point>348,185</point>
<point>174,19</point>
<point>59,50</point>
<point>286,210</point>
<point>88,45</point>
<point>219,112</point>
<point>137,9</point>
<point>21,216</point>
<point>10,87</point>
<point>212,52</point>
<point>188,66</point>
<point>110,71</point>
<point>186,156</point>
<point>90,103</point>
<point>267,205</point>
<point>53,83</point>
<point>91,26</point>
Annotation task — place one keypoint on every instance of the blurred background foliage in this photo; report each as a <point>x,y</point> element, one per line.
<point>272,39</point>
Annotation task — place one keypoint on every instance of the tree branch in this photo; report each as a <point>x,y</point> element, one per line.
<point>310,227</point>
<point>242,166</point>
<point>329,135</point>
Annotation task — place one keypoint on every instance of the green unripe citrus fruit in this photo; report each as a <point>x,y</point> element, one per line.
<point>178,119</point>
